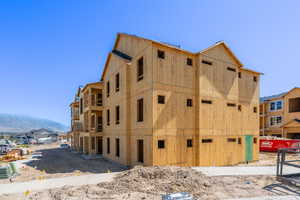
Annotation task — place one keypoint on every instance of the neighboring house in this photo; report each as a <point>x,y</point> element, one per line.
<point>163,105</point>
<point>280,114</point>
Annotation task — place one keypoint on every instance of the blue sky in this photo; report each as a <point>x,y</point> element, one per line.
<point>50,47</point>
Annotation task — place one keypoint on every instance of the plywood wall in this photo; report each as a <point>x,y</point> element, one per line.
<point>173,121</point>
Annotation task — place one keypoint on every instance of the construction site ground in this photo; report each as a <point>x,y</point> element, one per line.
<point>60,174</point>
<point>50,161</point>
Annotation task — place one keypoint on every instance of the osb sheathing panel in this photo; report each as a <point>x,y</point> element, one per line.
<point>220,53</point>
<point>175,152</point>
<point>173,69</point>
<point>123,150</point>
<point>130,91</point>
<point>216,81</point>
<point>221,152</point>
<point>131,45</point>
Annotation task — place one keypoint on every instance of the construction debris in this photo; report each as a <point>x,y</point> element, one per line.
<point>154,182</point>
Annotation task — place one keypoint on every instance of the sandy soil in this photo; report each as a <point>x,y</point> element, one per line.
<point>152,182</point>
<point>270,158</point>
<point>52,162</point>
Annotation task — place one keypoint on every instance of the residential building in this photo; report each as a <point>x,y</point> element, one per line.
<point>163,105</point>
<point>87,126</point>
<point>280,114</point>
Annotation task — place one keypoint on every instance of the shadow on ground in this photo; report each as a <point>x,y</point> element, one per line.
<point>283,189</point>
<point>58,160</point>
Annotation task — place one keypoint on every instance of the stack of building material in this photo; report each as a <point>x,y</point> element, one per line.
<point>6,172</point>
<point>13,155</point>
<point>15,152</point>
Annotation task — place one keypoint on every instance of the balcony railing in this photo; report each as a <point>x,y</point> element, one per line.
<point>77,127</point>
<point>97,129</point>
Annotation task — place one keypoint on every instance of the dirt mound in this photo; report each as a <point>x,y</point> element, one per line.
<point>152,182</point>
<point>159,180</point>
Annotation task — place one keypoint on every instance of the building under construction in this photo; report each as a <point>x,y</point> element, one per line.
<point>157,104</point>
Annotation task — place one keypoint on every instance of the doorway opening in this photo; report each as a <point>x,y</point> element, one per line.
<point>99,145</point>
<point>140,150</point>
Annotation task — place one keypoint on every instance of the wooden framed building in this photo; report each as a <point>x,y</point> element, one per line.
<point>163,105</point>
<point>280,115</point>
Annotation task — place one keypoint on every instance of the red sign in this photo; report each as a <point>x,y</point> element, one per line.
<point>272,145</point>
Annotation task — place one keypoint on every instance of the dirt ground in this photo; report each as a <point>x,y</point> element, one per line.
<point>140,182</point>
<point>49,161</point>
<point>152,182</point>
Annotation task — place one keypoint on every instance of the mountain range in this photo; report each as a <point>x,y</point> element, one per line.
<point>12,123</point>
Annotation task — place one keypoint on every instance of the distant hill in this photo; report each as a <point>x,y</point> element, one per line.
<point>21,123</point>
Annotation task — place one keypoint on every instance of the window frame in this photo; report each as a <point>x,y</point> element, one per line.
<point>255,109</point>
<point>274,119</point>
<point>231,140</point>
<point>161,54</point>
<point>189,61</point>
<point>107,89</point>
<point>206,62</point>
<point>117,77</point>
<point>140,110</point>
<point>140,69</point>
<point>117,114</point>
<point>161,144</point>
<point>189,143</point>
<point>161,99</point>
<point>81,105</point>
<point>275,103</point>
<point>231,69</point>
<point>107,117</point>
<point>231,104</point>
<point>207,140</point>
<point>206,101</point>
<point>189,102</point>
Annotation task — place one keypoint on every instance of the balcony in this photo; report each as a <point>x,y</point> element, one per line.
<point>77,126</point>
<point>93,101</point>
<point>97,129</point>
<point>93,122</point>
<point>75,116</point>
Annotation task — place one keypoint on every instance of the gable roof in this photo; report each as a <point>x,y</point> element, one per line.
<point>89,85</point>
<point>292,90</point>
<point>291,121</point>
<point>129,58</point>
<point>153,41</point>
<point>222,43</point>
<point>275,96</point>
